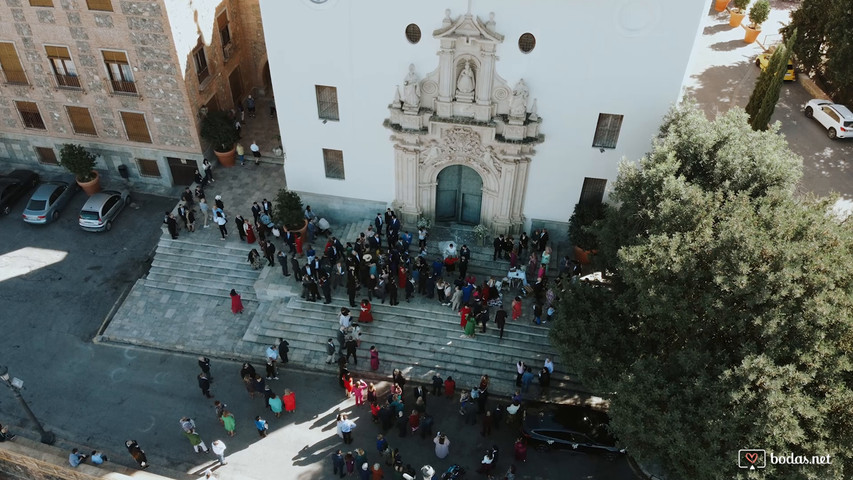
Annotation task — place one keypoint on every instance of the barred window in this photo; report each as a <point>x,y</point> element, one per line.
<point>327,102</point>
<point>200,61</point>
<point>46,155</point>
<point>607,130</point>
<point>135,126</point>
<point>63,68</point>
<point>333,160</point>
<point>592,192</point>
<point>81,120</point>
<point>413,33</point>
<point>148,168</point>
<point>118,68</point>
<point>224,29</point>
<point>30,115</point>
<point>103,5</point>
<point>11,64</point>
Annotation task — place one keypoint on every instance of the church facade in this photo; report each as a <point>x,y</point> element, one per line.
<point>500,113</point>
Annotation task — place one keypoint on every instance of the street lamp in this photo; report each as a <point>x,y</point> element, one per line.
<point>15,385</point>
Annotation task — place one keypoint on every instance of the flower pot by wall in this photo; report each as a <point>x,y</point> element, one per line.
<point>226,159</point>
<point>91,187</point>
<point>751,34</point>
<point>300,231</point>
<point>720,5</point>
<point>736,17</point>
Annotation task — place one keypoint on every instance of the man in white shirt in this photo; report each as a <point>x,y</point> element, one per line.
<point>218,447</point>
<point>549,365</point>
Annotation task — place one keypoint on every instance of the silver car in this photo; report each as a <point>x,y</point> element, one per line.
<point>49,199</point>
<point>101,210</point>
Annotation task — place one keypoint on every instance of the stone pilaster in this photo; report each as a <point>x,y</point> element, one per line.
<point>406,182</point>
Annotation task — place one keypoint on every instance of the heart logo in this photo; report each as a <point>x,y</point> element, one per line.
<point>751,457</point>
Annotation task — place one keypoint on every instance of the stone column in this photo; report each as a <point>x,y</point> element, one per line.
<point>485,75</point>
<point>445,68</point>
<point>502,223</point>
<point>405,184</point>
<point>521,173</point>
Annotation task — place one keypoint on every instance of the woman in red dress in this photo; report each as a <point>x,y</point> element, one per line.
<point>298,243</point>
<point>365,316</point>
<point>516,308</point>
<point>348,384</point>
<point>250,232</point>
<point>236,302</point>
<point>289,399</point>
<point>401,277</point>
<point>466,310</point>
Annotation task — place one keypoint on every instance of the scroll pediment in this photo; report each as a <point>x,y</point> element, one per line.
<point>468,26</point>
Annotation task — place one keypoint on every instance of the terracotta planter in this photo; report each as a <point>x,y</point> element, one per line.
<point>736,17</point>
<point>751,34</point>
<point>300,231</point>
<point>584,256</point>
<point>226,159</point>
<point>720,5</point>
<point>93,186</point>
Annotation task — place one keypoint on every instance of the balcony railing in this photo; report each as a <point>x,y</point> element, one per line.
<point>122,87</point>
<point>67,81</point>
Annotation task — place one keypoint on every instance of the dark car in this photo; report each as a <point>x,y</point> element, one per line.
<point>570,427</point>
<point>15,185</point>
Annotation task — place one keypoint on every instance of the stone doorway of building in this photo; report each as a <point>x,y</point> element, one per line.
<point>183,170</point>
<point>458,195</point>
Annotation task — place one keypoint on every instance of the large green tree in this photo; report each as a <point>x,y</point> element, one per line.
<point>726,323</point>
<point>823,44</point>
<point>764,96</point>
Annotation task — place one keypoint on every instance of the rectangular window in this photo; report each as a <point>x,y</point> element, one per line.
<point>11,64</point>
<point>41,3</point>
<point>30,115</point>
<point>135,126</point>
<point>148,168</point>
<point>121,75</point>
<point>63,68</point>
<point>46,156</point>
<point>327,102</point>
<point>592,192</point>
<point>224,30</point>
<point>103,5</point>
<point>81,120</point>
<point>607,130</point>
<point>200,61</point>
<point>333,160</point>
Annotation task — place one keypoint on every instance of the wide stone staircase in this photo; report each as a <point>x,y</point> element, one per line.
<point>421,338</point>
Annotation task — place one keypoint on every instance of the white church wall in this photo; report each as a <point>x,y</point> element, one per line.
<point>618,56</point>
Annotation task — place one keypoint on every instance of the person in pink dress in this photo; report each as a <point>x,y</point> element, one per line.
<point>236,302</point>
<point>358,392</point>
<point>374,358</point>
<point>289,399</point>
<point>366,315</point>
<point>250,232</point>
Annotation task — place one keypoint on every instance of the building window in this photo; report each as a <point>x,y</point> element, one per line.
<point>526,42</point>
<point>81,120</point>
<point>63,68</point>
<point>592,192</point>
<point>103,5</point>
<point>11,64</point>
<point>607,130</point>
<point>327,102</point>
<point>413,33</point>
<point>200,61</point>
<point>30,115</point>
<point>333,160</point>
<point>224,30</point>
<point>46,155</point>
<point>148,168</point>
<point>41,3</point>
<point>121,75</point>
<point>135,126</point>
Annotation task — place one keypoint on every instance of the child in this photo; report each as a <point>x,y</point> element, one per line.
<point>358,392</point>
<point>262,426</point>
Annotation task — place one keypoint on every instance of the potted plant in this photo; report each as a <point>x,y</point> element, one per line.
<point>81,163</point>
<point>424,222</point>
<point>757,15</point>
<point>218,129</point>
<point>584,240</point>
<point>720,5</point>
<point>738,12</point>
<point>482,233</point>
<point>287,211</point>
<point>278,150</point>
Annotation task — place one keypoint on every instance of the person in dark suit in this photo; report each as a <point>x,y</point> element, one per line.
<point>326,287</point>
<point>282,260</point>
<point>266,206</point>
<point>297,271</point>
<point>240,221</point>
<point>256,211</point>
<point>171,225</point>
<point>499,247</point>
<point>377,223</point>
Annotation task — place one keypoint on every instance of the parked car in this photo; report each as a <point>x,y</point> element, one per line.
<point>835,118</point>
<point>764,59</point>
<point>101,210</point>
<point>15,185</point>
<point>49,199</point>
<point>570,427</point>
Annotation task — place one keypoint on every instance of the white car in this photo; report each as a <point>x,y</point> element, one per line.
<point>835,118</point>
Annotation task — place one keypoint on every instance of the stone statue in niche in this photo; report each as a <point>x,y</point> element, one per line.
<point>411,91</point>
<point>465,84</point>
<point>518,107</point>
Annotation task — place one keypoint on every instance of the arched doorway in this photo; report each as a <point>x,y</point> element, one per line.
<point>458,195</point>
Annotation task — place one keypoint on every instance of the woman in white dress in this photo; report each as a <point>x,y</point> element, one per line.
<point>442,445</point>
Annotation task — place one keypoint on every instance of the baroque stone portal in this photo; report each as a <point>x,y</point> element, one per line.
<point>463,113</point>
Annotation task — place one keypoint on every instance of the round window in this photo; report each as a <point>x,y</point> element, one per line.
<point>526,42</point>
<point>413,33</point>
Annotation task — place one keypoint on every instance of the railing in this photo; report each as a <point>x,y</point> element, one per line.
<point>67,81</point>
<point>122,87</point>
